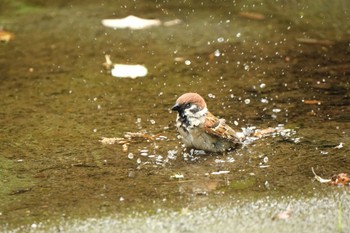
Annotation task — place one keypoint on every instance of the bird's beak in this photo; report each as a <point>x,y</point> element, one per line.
<point>176,107</point>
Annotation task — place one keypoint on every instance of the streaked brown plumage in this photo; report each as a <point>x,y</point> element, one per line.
<point>200,129</point>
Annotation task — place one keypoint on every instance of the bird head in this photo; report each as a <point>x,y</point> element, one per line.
<point>189,102</point>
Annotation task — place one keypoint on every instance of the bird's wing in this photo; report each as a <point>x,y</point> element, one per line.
<point>218,127</point>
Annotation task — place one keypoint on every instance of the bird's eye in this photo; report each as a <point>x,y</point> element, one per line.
<point>187,105</point>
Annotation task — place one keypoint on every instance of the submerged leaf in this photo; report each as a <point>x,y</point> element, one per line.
<point>320,179</point>
<point>128,71</point>
<point>124,70</point>
<point>131,22</point>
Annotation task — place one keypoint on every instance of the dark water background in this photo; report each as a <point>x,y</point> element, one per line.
<point>57,102</point>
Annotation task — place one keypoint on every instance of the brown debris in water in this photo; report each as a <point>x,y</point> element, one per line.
<point>6,36</point>
<point>312,102</point>
<point>264,132</point>
<point>314,41</point>
<point>131,137</point>
<point>252,15</point>
<point>20,191</point>
<point>340,179</point>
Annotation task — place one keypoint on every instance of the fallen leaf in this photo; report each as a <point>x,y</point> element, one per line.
<point>262,132</point>
<point>6,36</point>
<point>314,41</point>
<point>128,71</point>
<point>131,137</point>
<point>124,70</point>
<point>110,141</point>
<point>252,15</point>
<point>320,179</point>
<point>341,179</point>
<point>312,102</point>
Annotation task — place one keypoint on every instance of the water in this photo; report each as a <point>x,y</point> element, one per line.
<point>58,101</point>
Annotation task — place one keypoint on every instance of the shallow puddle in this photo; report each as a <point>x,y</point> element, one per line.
<point>58,102</point>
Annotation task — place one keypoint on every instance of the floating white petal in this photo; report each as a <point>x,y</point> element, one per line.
<point>128,71</point>
<point>124,71</point>
<point>131,22</point>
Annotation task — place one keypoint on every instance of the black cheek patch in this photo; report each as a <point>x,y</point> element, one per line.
<point>183,118</point>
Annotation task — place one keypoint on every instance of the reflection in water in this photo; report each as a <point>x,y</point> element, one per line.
<point>58,102</point>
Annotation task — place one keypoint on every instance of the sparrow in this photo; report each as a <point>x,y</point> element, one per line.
<point>200,129</point>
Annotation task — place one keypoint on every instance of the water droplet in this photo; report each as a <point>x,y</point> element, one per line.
<point>219,161</point>
<point>267,185</point>
<point>221,39</point>
<point>144,154</point>
<point>210,95</point>
<point>130,155</point>
<point>264,101</point>
<point>266,159</point>
<point>172,154</point>
<point>230,159</point>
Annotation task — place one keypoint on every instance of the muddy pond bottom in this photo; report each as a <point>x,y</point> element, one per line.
<point>262,70</point>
